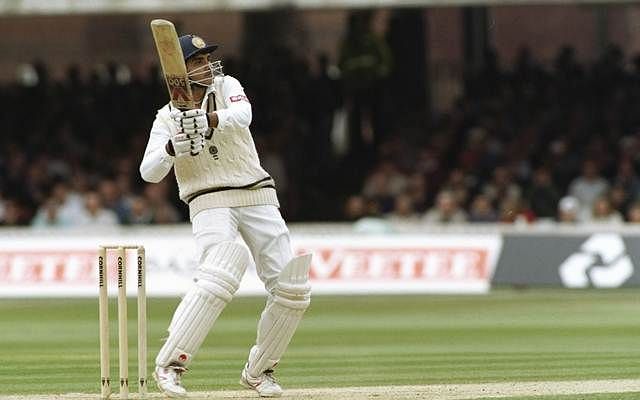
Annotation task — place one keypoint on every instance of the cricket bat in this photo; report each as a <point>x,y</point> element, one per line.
<point>173,66</point>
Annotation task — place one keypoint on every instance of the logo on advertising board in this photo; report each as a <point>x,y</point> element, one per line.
<point>408,264</point>
<point>47,267</point>
<point>601,262</point>
<point>354,263</point>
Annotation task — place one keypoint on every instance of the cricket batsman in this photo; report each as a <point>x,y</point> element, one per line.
<point>228,192</point>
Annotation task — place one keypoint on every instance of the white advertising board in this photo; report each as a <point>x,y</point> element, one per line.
<point>66,266</point>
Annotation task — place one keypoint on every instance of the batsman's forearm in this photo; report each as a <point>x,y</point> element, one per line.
<point>156,165</point>
<point>237,116</point>
<point>157,160</point>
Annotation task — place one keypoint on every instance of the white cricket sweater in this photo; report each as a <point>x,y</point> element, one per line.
<point>227,173</point>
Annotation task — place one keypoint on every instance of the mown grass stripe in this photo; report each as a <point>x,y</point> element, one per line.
<point>347,341</point>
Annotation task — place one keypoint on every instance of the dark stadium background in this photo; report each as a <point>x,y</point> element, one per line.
<point>476,113</point>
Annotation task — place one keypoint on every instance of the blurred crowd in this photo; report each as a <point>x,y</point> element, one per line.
<point>345,139</point>
<point>69,150</point>
<point>525,144</point>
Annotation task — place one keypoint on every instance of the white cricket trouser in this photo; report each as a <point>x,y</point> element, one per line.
<point>262,228</point>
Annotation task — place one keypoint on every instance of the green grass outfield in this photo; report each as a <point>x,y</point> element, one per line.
<point>51,346</point>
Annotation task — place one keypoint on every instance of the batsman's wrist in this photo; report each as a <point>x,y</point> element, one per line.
<point>212,117</point>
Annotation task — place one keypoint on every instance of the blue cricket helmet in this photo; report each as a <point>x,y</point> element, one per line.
<point>192,45</point>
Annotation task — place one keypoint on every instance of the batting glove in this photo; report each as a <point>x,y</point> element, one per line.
<point>192,122</point>
<point>184,145</point>
<point>192,126</point>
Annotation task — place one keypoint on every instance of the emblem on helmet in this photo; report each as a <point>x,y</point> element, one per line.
<point>198,42</point>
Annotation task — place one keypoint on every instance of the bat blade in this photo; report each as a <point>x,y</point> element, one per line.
<point>173,66</point>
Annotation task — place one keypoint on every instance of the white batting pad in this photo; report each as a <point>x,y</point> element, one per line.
<point>282,315</point>
<point>190,325</point>
<point>223,268</point>
<point>217,280</point>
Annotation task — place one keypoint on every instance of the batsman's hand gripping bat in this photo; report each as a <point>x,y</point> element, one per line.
<point>173,66</point>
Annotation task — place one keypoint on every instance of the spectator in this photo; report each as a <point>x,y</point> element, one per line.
<point>627,179</point>
<point>482,210</point>
<point>354,208</point>
<point>417,190</point>
<point>70,203</point>
<point>569,210</point>
<point>48,215</point>
<point>384,184</point>
<point>365,215</point>
<point>588,187</point>
<point>502,186</point>
<point>459,184</point>
<point>633,214</point>
<point>619,199</point>
<point>543,195</point>
<point>372,208</point>
<point>446,210</point>
<point>112,199</point>
<point>404,210</point>
<point>139,212</point>
<point>603,213</point>
<point>94,214</point>
<point>514,211</point>
<point>14,213</point>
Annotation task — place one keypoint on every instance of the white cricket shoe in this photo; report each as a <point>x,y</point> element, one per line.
<point>168,380</point>
<point>265,384</point>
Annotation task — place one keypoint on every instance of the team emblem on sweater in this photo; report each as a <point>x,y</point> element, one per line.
<point>213,150</point>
